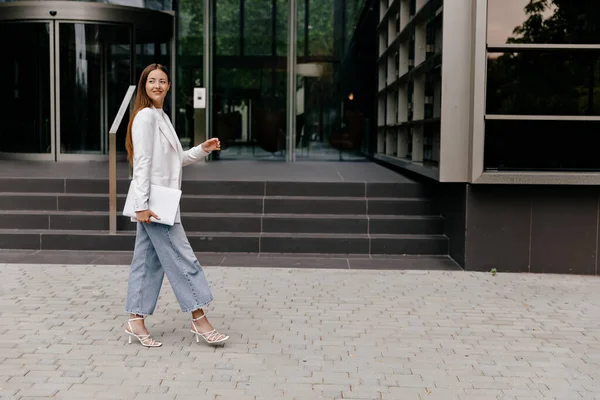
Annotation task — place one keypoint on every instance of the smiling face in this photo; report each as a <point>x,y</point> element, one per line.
<point>157,86</point>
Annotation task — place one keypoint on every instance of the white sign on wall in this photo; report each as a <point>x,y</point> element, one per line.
<point>199,97</point>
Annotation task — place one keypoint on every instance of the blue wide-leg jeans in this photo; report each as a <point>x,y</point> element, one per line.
<point>161,249</point>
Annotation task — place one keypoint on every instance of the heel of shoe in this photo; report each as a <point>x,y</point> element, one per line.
<point>129,339</point>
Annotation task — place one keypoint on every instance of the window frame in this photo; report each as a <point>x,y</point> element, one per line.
<point>478,174</point>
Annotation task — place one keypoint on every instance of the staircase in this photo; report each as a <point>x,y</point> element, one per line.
<point>232,217</point>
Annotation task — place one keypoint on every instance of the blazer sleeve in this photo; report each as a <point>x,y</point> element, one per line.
<point>143,131</point>
<point>193,155</point>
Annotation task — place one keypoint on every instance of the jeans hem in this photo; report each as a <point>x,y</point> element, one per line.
<point>197,307</point>
<point>137,313</point>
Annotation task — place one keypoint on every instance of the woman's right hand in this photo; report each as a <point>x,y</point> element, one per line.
<point>144,216</point>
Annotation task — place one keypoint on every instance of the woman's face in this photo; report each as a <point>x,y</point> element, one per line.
<point>157,86</point>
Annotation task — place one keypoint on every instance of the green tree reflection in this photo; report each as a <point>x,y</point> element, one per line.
<point>549,82</point>
<point>250,46</point>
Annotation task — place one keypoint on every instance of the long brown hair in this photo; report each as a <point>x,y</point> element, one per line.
<point>141,101</point>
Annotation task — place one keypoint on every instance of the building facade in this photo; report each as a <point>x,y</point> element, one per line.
<point>498,102</point>
<point>493,102</point>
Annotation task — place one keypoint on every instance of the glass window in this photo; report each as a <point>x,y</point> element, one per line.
<point>190,40</point>
<point>302,29</point>
<point>281,31</point>
<point>548,21</point>
<point>353,10</point>
<point>227,27</point>
<point>258,27</point>
<point>249,87</point>
<point>86,50</point>
<point>528,78</point>
<point>334,99</point>
<point>544,83</point>
<point>542,145</point>
<point>320,28</point>
<point>81,85</point>
<point>190,67</point>
<point>25,91</point>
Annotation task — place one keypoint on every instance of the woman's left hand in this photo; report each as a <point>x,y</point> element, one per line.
<point>211,145</point>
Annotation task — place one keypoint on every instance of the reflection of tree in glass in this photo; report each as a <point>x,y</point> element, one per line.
<point>320,28</point>
<point>549,82</point>
<point>249,76</point>
<point>573,22</point>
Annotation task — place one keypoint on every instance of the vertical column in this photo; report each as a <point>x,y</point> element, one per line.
<point>392,74</point>
<point>391,28</point>
<point>56,93</point>
<point>208,41</point>
<point>383,6</point>
<point>381,123</point>
<point>419,98</point>
<point>291,92</point>
<point>418,114</point>
<point>391,138</point>
<point>382,42</point>
<point>173,71</point>
<point>112,183</point>
<point>417,143</point>
<point>402,150</point>
<point>382,80</point>
<point>420,43</point>
<point>53,130</point>
<point>391,112</point>
<point>403,58</point>
<point>404,13</point>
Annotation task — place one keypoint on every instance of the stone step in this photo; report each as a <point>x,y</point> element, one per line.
<point>226,188</point>
<point>232,204</point>
<point>233,242</point>
<point>257,260</point>
<point>219,222</point>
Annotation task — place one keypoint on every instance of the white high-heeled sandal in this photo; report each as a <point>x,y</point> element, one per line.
<point>145,340</point>
<point>212,337</point>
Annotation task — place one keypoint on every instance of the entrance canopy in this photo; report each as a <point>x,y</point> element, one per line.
<point>150,25</point>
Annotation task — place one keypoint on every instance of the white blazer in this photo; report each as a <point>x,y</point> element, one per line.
<point>158,157</point>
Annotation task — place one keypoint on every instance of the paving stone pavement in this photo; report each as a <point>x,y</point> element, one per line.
<point>305,334</point>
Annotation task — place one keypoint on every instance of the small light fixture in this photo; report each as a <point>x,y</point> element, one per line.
<point>351,96</point>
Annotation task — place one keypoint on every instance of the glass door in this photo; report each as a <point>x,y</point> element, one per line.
<point>93,71</point>
<point>249,78</point>
<point>26,113</point>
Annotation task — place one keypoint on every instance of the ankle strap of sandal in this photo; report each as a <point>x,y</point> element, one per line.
<point>199,318</point>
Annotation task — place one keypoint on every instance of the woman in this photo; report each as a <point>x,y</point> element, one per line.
<point>157,157</point>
